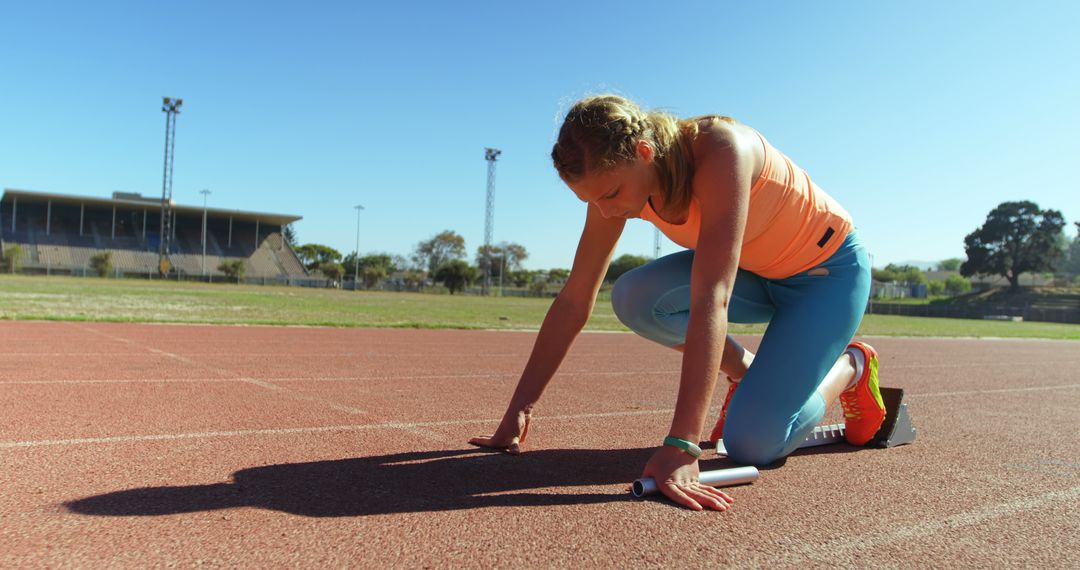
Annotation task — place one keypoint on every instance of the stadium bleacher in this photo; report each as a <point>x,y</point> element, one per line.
<point>61,233</point>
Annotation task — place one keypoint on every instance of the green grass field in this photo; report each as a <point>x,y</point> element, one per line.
<point>92,299</point>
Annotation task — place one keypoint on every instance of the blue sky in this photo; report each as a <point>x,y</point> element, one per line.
<point>919,117</point>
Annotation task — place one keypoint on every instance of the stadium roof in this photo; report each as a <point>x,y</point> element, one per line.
<point>139,201</point>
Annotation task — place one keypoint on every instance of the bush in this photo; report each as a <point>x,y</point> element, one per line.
<point>13,258</point>
<point>455,275</point>
<point>899,274</point>
<point>101,263</point>
<point>957,285</point>
<point>539,284</point>
<point>413,280</point>
<point>372,274</point>
<point>233,269</point>
<point>935,288</point>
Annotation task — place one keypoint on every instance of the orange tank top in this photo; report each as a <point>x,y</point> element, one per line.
<point>792,225</point>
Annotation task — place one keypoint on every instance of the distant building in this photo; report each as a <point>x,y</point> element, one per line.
<point>984,282</point>
<point>897,290</point>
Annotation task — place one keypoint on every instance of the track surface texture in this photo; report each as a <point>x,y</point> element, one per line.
<point>157,445</point>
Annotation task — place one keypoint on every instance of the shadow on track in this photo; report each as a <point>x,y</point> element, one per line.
<point>403,483</point>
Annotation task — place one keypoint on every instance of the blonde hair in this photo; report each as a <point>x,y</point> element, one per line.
<point>602,132</point>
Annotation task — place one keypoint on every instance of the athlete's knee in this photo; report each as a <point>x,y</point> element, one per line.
<point>628,300</point>
<point>745,448</point>
<point>753,442</point>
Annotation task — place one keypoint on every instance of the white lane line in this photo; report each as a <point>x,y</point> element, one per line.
<point>466,376</point>
<point>408,426</point>
<point>291,393</point>
<point>979,364</point>
<point>224,372</point>
<point>835,551</point>
<point>997,391</point>
<point>985,364</point>
<point>129,342</point>
<point>305,397</point>
<point>58,354</point>
<point>260,355</point>
<point>458,355</point>
<point>287,379</point>
<point>123,381</point>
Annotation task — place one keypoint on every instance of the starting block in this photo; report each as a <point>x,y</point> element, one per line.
<point>897,428</point>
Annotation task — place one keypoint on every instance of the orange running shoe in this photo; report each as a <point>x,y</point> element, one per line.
<point>863,409</point>
<point>718,431</point>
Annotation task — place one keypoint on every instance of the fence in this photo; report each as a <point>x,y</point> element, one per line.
<point>984,311</point>
<point>153,275</point>
<point>395,286</point>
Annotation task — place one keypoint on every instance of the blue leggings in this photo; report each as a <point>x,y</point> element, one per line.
<point>811,320</point>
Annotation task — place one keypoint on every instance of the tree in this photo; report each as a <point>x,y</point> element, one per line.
<point>312,255</point>
<point>288,233</point>
<point>372,268</point>
<point>1017,237</point>
<point>1072,258</point>
<point>13,258</point>
<point>505,256</point>
<point>623,264</point>
<point>348,264</point>
<point>400,263</point>
<point>444,247</point>
<point>413,279</point>
<point>951,264</point>
<point>455,275</point>
<point>234,269</point>
<point>375,268</point>
<point>560,275</point>
<point>372,274</point>
<point>539,283</point>
<point>956,285</point>
<point>515,255</point>
<point>882,275</point>
<point>519,278</point>
<point>101,263</point>
<point>383,260</point>
<point>899,274</point>
<point>908,273</point>
<point>332,270</point>
<point>489,260</point>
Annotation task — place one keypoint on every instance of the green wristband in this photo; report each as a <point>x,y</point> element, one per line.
<point>689,447</point>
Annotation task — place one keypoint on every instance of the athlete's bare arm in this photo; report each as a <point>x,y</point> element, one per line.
<point>567,316</point>
<point>722,180</point>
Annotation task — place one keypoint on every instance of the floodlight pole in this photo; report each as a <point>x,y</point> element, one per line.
<point>204,193</point>
<point>171,108</point>
<point>490,155</point>
<point>356,255</point>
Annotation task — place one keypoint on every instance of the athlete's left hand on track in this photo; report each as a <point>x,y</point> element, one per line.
<point>676,474</point>
<point>511,434</point>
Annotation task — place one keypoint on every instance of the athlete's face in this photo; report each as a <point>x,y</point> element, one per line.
<point>620,192</point>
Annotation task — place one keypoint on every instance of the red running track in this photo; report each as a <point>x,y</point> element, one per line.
<point>159,445</point>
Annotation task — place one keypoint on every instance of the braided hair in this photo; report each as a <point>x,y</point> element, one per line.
<point>602,132</point>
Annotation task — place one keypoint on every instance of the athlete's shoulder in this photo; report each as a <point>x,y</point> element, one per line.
<point>729,144</point>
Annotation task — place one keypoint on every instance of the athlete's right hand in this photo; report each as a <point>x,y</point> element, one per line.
<point>510,435</point>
